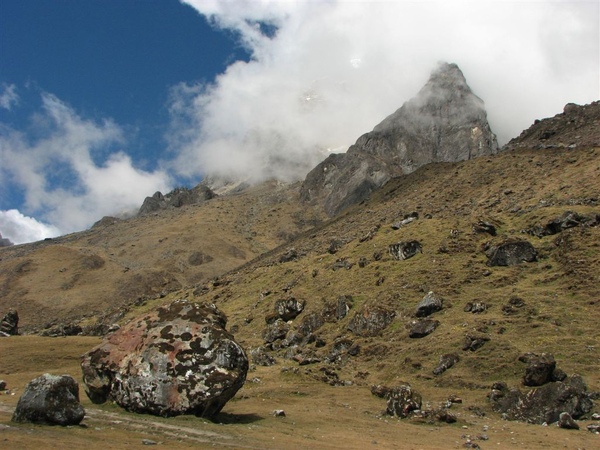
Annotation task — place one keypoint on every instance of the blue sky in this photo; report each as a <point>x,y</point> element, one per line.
<point>103,102</point>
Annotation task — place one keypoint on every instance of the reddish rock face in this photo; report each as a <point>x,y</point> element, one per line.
<point>176,360</point>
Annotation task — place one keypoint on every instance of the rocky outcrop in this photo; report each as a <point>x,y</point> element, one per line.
<point>176,360</point>
<point>542,404</point>
<point>176,199</point>
<point>567,220</point>
<point>9,325</point>
<point>444,122</point>
<point>370,321</point>
<point>50,400</point>
<point>286,309</point>
<point>446,362</point>
<point>575,127</point>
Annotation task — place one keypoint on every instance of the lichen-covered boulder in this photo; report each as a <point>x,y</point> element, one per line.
<point>402,400</point>
<point>9,325</point>
<point>51,400</point>
<point>176,360</point>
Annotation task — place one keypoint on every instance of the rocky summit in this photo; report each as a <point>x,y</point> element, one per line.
<point>446,121</point>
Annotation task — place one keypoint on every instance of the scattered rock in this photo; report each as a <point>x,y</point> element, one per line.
<point>402,400</point>
<point>51,400</point>
<point>422,328</point>
<point>474,343</point>
<point>260,357</point>
<point>446,361</point>
<point>475,308</point>
<point>431,303</point>
<point>566,421</point>
<point>569,219</point>
<point>370,321</point>
<point>9,325</point>
<point>540,368</point>
<point>278,413</point>
<point>484,227</point>
<point>286,309</point>
<point>511,252</point>
<point>176,360</point>
<point>290,255</point>
<point>275,331</point>
<point>408,218</point>
<point>148,442</point>
<point>544,403</point>
<point>3,385</point>
<point>594,428</point>
<point>380,390</point>
<point>405,249</point>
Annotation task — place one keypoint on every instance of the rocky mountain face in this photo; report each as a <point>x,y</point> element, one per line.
<point>445,122</point>
<point>577,126</point>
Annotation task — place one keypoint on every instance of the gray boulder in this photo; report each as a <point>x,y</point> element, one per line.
<point>51,400</point>
<point>511,252</point>
<point>403,400</point>
<point>421,328</point>
<point>178,359</point>
<point>444,122</point>
<point>431,303</point>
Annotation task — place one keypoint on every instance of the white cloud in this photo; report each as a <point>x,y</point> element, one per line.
<point>335,69</point>
<point>20,229</point>
<point>70,172</point>
<point>9,96</point>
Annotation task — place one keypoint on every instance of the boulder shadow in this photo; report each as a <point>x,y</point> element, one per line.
<point>228,418</point>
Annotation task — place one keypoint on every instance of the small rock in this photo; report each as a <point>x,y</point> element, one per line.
<point>566,421</point>
<point>594,428</point>
<point>278,413</point>
<point>148,442</point>
<point>2,385</point>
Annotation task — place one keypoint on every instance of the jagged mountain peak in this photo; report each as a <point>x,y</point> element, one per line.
<point>445,122</point>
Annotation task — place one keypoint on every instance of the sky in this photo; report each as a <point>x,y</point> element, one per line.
<point>104,102</point>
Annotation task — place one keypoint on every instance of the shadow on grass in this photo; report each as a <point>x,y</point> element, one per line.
<point>227,418</point>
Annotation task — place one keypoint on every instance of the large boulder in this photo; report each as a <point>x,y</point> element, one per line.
<point>511,252</point>
<point>445,122</point>
<point>543,404</point>
<point>51,400</point>
<point>176,360</point>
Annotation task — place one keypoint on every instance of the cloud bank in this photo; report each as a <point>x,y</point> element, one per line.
<point>69,174</point>
<point>323,73</point>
